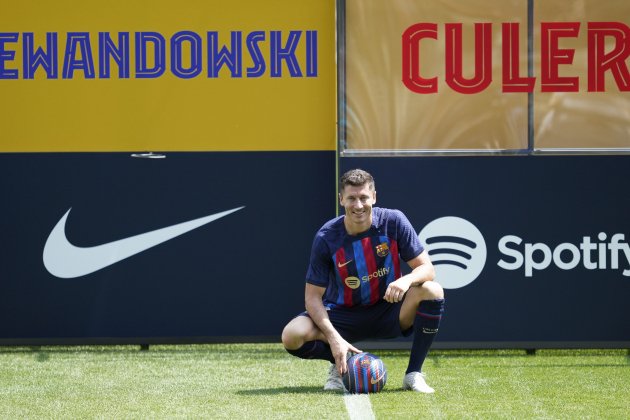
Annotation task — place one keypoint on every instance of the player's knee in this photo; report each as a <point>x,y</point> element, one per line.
<point>432,290</point>
<point>289,339</point>
<point>293,334</point>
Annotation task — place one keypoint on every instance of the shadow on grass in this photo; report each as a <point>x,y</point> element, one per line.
<point>305,390</point>
<point>284,390</point>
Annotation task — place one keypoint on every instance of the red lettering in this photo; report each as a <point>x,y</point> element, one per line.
<point>411,58</point>
<point>454,58</point>
<point>553,56</point>
<point>512,81</point>
<point>599,62</point>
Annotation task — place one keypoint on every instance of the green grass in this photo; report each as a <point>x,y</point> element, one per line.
<point>263,382</point>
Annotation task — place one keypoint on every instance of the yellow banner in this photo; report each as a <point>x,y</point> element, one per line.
<point>162,75</point>
<point>453,76</point>
<point>589,106</point>
<point>385,114</point>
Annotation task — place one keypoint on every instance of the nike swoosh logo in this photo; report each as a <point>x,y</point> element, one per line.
<point>375,381</point>
<point>64,260</point>
<point>344,264</point>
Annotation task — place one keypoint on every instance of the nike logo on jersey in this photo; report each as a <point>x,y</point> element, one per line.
<point>339,264</point>
<point>64,260</point>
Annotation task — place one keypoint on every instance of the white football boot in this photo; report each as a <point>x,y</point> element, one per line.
<point>414,381</point>
<point>334,382</point>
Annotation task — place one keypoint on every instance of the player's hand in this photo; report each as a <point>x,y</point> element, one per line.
<point>340,349</point>
<point>396,290</point>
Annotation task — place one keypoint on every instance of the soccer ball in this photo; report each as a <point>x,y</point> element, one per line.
<point>366,373</point>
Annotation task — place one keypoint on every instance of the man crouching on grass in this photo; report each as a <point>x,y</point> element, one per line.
<point>355,290</point>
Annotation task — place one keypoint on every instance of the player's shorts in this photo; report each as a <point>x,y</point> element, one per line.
<point>359,323</point>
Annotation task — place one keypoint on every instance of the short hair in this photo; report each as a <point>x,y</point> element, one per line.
<point>356,178</point>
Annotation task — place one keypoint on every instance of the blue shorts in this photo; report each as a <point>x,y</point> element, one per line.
<point>359,323</point>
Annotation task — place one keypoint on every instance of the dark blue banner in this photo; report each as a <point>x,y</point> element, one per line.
<point>193,246</point>
<point>531,249</point>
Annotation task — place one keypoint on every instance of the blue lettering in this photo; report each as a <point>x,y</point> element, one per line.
<point>269,51</point>
<point>259,67</point>
<point>34,59</point>
<point>108,50</point>
<point>278,53</point>
<point>85,62</point>
<point>218,58</point>
<point>177,66</point>
<point>7,55</point>
<point>143,71</point>
<point>311,53</point>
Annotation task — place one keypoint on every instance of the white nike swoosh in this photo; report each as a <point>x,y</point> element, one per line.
<point>339,264</point>
<point>64,260</point>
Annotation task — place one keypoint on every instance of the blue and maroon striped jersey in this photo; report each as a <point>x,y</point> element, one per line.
<point>355,270</point>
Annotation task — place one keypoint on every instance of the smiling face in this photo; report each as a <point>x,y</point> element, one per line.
<point>357,202</point>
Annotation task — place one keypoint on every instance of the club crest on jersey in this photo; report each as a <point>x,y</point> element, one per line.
<point>352,282</point>
<point>382,250</point>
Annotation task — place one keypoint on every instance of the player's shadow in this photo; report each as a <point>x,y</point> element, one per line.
<point>301,390</point>
<point>283,390</point>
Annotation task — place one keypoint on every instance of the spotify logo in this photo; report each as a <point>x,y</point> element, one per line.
<point>457,250</point>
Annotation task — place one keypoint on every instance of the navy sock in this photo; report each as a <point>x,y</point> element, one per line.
<point>314,350</point>
<point>427,322</point>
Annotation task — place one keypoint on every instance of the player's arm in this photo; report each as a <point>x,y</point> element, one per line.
<point>319,315</point>
<point>422,270</point>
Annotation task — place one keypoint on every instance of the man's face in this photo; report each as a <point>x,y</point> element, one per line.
<point>358,202</point>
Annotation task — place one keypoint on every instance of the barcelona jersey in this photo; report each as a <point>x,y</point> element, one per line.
<point>356,270</point>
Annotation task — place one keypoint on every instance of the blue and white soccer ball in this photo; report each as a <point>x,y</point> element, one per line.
<point>366,374</point>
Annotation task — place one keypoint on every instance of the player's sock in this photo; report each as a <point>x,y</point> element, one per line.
<point>314,350</point>
<point>428,316</point>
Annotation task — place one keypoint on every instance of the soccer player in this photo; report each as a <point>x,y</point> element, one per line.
<point>355,290</point>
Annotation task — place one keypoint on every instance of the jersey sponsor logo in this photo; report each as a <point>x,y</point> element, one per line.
<point>65,260</point>
<point>457,249</point>
<point>381,272</point>
<point>382,250</point>
<point>340,264</point>
<point>352,282</point>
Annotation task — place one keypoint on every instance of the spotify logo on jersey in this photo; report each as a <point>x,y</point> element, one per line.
<point>457,250</point>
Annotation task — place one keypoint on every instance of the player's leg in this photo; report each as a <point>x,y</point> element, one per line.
<point>303,339</point>
<point>422,309</point>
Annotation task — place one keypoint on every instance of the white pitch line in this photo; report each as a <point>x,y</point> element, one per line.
<point>359,407</point>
